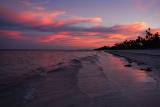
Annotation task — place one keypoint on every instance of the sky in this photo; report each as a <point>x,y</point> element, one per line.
<point>74,24</point>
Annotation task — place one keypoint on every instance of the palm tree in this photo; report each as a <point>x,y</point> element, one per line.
<point>150,41</point>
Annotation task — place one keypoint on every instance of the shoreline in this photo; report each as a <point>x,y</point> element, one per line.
<point>147,60</point>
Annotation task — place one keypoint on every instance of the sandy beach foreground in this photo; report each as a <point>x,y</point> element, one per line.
<point>99,79</point>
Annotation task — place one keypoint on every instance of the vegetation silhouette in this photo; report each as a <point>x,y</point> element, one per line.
<point>150,41</point>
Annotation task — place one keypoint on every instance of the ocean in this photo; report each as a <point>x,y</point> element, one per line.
<point>18,64</point>
<point>47,78</point>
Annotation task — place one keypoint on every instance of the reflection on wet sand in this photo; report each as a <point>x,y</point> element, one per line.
<point>116,85</point>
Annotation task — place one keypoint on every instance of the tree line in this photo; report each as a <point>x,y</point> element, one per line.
<point>150,41</point>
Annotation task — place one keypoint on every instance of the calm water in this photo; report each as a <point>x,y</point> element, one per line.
<point>73,79</point>
<point>19,64</point>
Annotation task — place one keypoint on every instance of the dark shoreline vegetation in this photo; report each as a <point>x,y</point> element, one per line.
<point>150,41</point>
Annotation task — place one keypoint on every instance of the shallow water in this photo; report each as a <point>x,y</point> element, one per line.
<point>20,65</point>
<point>75,79</point>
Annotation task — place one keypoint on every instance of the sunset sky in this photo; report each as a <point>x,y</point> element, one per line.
<point>74,24</point>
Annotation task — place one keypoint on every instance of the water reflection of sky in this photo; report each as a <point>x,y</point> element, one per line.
<point>114,79</point>
<point>132,72</point>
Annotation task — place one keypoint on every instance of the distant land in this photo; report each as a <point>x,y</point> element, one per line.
<point>150,41</point>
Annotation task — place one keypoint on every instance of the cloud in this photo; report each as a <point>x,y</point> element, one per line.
<point>10,34</point>
<point>132,27</point>
<point>95,36</point>
<point>32,19</point>
<point>95,20</point>
<point>144,5</point>
<point>117,36</point>
<point>51,27</point>
<point>29,18</point>
<point>52,37</point>
<point>80,41</point>
<point>155,30</point>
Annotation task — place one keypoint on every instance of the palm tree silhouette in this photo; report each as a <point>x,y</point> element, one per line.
<point>151,40</point>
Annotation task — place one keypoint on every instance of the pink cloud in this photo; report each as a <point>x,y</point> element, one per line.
<point>11,34</point>
<point>81,36</point>
<point>91,37</point>
<point>131,28</point>
<point>155,30</point>
<point>30,18</point>
<point>83,42</point>
<point>52,37</point>
<point>95,20</point>
<point>117,36</point>
<point>74,38</point>
<point>43,18</point>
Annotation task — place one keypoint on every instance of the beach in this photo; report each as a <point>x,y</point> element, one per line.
<point>144,58</point>
<point>77,79</point>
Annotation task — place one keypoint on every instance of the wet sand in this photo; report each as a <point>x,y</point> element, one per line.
<point>97,80</point>
<point>146,58</point>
